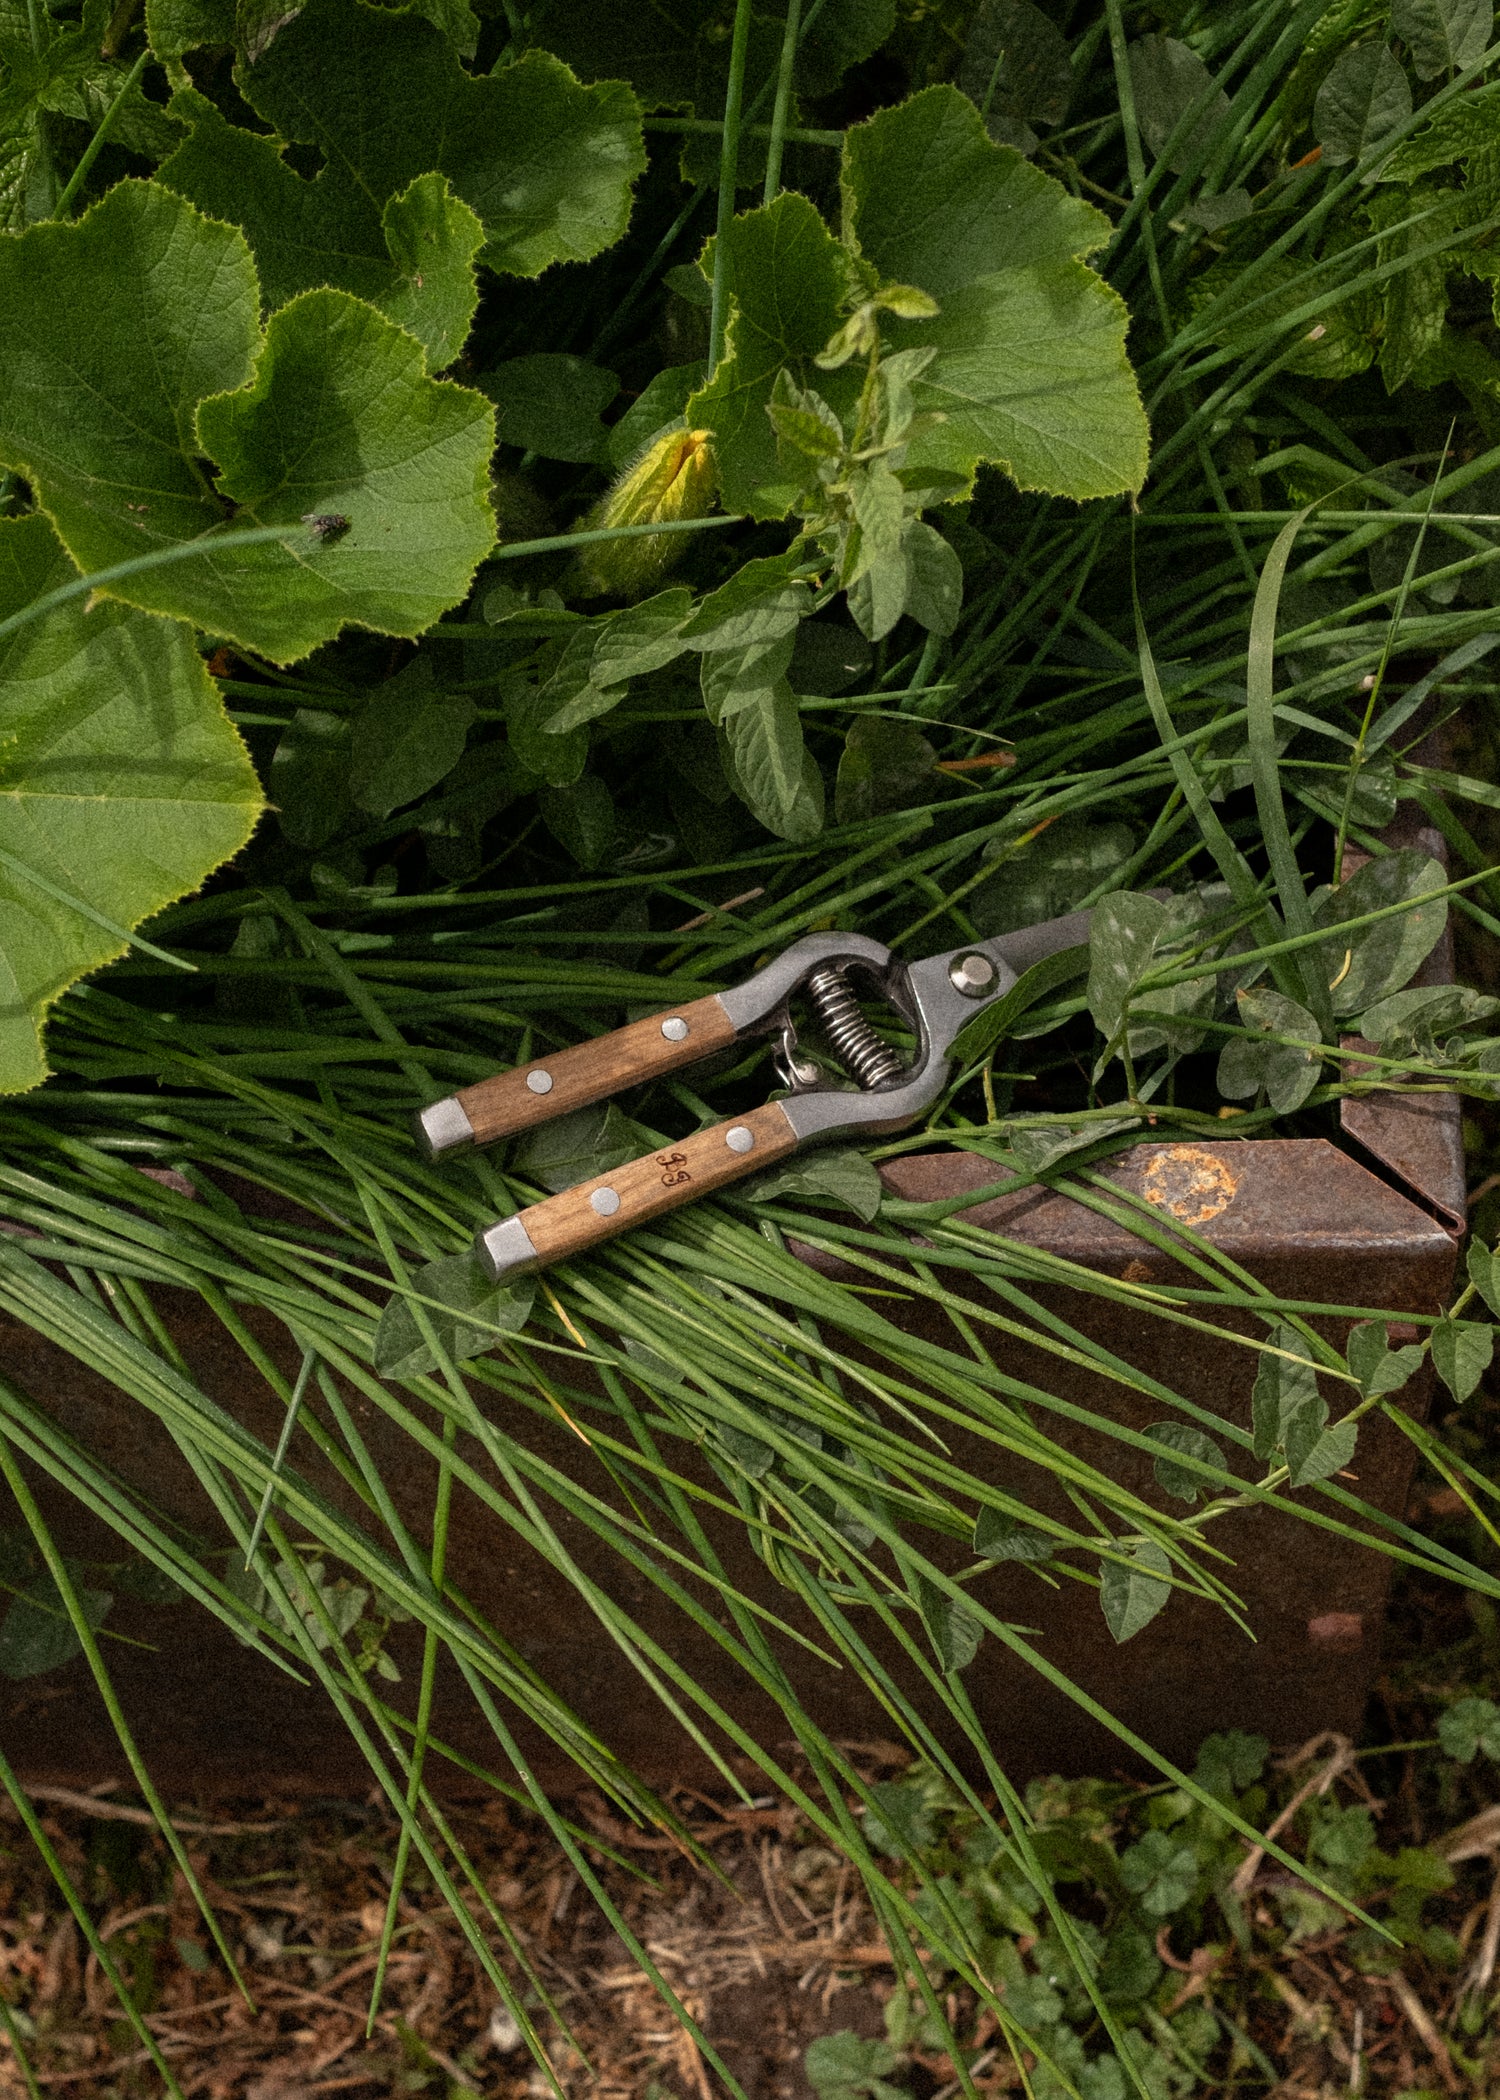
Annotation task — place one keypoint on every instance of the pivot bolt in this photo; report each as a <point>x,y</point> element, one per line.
<point>973,975</point>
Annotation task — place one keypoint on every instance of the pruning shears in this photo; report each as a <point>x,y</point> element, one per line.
<point>848,1081</point>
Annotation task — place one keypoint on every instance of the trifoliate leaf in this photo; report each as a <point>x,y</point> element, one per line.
<point>1169,80</point>
<point>1365,97</point>
<point>1133,1592</point>
<point>1132,936</point>
<point>1469,1726</point>
<point>934,578</point>
<point>1461,1353</point>
<point>1006,1015</point>
<point>410,253</point>
<point>339,419</point>
<point>834,1173</point>
<point>1161,1871</point>
<point>1421,1019</point>
<point>1442,35</point>
<point>784,277</point>
<point>1288,1073</point>
<point>1382,957</point>
<point>550,404</point>
<point>545,162</point>
<point>1289,1415</point>
<point>122,786</point>
<point>1178,1479</point>
<point>461,1286</point>
<point>1378,1367</point>
<point>1050,875</point>
<point>999,1536</point>
<point>1230,1761</point>
<point>762,602</point>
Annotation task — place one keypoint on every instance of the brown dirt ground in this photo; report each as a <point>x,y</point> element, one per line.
<point>775,1949</point>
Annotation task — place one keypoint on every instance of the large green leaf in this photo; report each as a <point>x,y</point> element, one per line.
<point>931,200</point>
<point>784,272</point>
<point>122,786</point>
<point>546,163</point>
<point>126,342</point>
<point>413,256</point>
<point>675,54</point>
<point>1031,372</point>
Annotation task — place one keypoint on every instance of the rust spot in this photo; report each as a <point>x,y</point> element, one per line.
<point>1190,1183</point>
<point>1340,1632</point>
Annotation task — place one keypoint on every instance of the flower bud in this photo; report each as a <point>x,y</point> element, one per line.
<point>674,477</point>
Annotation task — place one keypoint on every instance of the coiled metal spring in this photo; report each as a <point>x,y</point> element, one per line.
<point>864,1054</point>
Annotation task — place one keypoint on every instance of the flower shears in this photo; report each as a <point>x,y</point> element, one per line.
<point>843,1077</point>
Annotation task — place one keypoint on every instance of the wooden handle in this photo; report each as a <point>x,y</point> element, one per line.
<point>589,1072</point>
<point>596,1210</point>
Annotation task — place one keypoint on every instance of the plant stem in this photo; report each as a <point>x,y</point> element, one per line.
<point>782,105</point>
<point>729,166</point>
<point>264,535</point>
<point>92,150</point>
<point>714,126</point>
<point>34,19</point>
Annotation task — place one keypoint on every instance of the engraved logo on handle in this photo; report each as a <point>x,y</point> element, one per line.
<point>674,1169</point>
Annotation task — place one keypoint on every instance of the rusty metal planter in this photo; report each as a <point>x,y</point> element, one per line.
<point>1373,1223</point>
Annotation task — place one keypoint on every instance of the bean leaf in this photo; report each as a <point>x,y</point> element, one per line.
<point>1170,80</point>
<point>1000,1536</point>
<point>1461,1353</point>
<point>407,737</point>
<point>36,1634</point>
<point>1131,1594</point>
<point>1184,1481</point>
<point>401,1349</point>
<point>1365,96</point>
<point>834,1173</point>
<point>1442,35</point>
<point>955,1632</point>
<point>1378,1367</point>
<point>576,1147</point>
